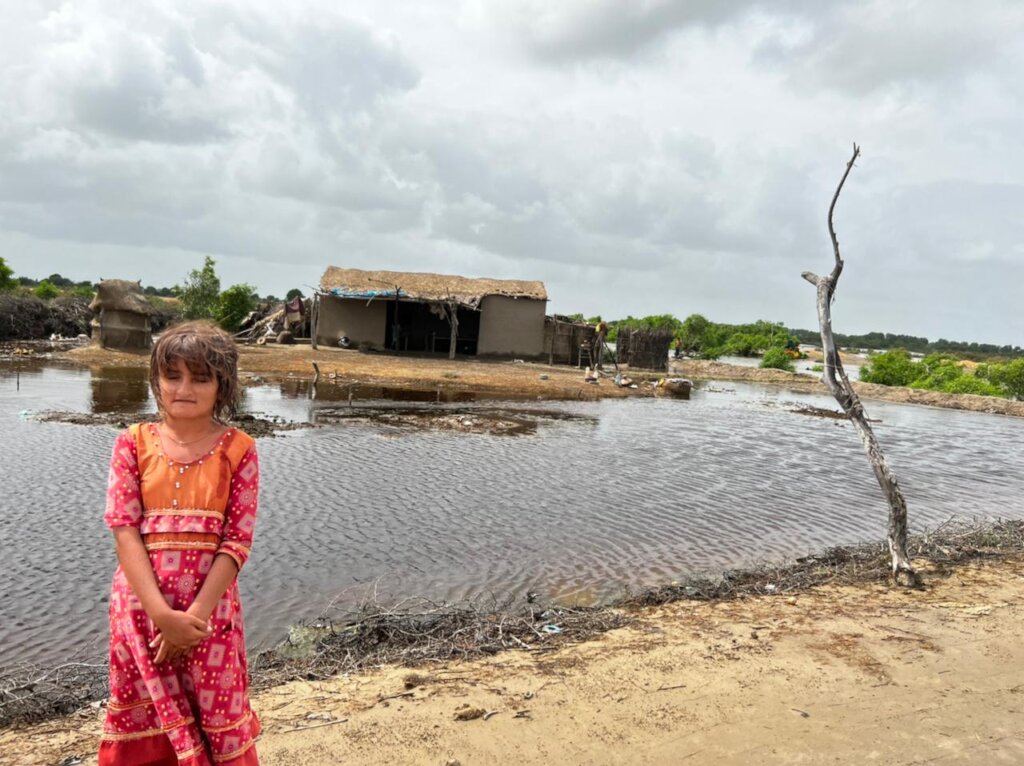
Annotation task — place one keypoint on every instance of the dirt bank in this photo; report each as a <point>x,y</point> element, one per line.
<point>696,369</point>
<point>843,675</point>
<point>506,379</point>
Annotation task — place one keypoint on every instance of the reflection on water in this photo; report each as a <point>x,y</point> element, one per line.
<point>119,389</point>
<point>634,492</point>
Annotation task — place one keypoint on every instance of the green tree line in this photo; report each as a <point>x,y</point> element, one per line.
<point>914,344</point>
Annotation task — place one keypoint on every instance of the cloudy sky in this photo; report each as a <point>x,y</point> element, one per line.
<point>638,156</point>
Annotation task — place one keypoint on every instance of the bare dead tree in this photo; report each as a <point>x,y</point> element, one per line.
<point>839,384</point>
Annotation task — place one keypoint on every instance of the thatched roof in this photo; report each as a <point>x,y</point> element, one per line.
<point>121,295</point>
<point>415,286</point>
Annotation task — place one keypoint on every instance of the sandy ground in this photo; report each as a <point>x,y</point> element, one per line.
<point>525,381</point>
<point>838,675</point>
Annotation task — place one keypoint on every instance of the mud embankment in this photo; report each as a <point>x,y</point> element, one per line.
<point>497,379</point>
<point>705,370</point>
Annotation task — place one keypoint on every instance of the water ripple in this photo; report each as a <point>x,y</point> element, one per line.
<point>644,491</point>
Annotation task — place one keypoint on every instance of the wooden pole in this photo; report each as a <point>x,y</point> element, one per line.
<point>453,319</point>
<point>314,321</point>
<point>839,384</point>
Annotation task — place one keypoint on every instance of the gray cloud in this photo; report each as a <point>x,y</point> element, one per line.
<point>282,139</point>
<point>860,48</point>
<point>584,29</point>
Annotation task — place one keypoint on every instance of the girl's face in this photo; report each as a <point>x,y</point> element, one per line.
<point>186,395</point>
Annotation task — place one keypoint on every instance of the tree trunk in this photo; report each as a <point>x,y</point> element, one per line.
<point>839,384</point>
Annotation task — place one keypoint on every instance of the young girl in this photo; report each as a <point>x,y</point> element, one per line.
<point>181,502</point>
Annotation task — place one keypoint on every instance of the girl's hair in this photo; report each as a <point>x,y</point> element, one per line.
<point>206,350</point>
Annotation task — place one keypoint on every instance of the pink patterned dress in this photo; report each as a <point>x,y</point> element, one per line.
<point>193,710</point>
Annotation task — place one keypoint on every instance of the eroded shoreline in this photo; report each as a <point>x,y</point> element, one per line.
<point>824,651</point>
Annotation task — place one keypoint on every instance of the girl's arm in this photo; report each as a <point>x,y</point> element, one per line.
<point>179,628</point>
<point>236,540</point>
<point>124,516</point>
<point>218,580</point>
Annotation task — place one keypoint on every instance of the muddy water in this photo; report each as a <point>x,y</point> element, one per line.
<point>595,499</point>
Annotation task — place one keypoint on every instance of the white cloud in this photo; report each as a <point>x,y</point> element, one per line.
<point>641,157</point>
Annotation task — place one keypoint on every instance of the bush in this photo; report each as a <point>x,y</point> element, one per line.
<point>46,290</point>
<point>7,280</point>
<point>776,359</point>
<point>968,384</point>
<point>893,368</point>
<point>234,304</point>
<point>1009,377</point>
<point>747,344</point>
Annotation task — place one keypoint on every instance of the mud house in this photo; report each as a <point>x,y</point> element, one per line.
<point>433,313</point>
<point>122,320</point>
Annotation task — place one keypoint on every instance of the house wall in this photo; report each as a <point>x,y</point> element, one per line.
<point>511,326</point>
<point>360,321</point>
<point>123,330</point>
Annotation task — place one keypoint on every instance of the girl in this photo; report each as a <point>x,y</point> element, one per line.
<point>181,502</point>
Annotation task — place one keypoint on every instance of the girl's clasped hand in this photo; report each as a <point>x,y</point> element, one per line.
<point>178,632</point>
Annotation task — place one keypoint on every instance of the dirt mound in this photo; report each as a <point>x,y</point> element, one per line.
<point>25,317</point>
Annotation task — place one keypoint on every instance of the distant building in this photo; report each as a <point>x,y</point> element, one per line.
<point>409,311</point>
<point>122,316</point>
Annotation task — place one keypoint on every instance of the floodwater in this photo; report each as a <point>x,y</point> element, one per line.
<point>609,496</point>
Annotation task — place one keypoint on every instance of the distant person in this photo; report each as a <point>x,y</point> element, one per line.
<point>181,502</point>
<point>678,348</point>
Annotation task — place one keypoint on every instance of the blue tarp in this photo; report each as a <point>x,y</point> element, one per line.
<point>341,292</point>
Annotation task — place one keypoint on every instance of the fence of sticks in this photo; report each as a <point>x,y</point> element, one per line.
<point>643,348</point>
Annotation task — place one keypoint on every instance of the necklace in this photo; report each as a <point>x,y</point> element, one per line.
<point>185,443</point>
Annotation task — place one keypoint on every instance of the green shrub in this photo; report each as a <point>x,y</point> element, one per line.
<point>892,368</point>
<point>1009,377</point>
<point>968,384</point>
<point>747,344</point>
<point>776,359</point>
<point>46,290</point>
<point>7,280</point>
<point>233,306</point>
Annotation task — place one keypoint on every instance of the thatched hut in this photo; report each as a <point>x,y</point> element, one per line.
<point>409,311</point>
<point>122,316</point>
